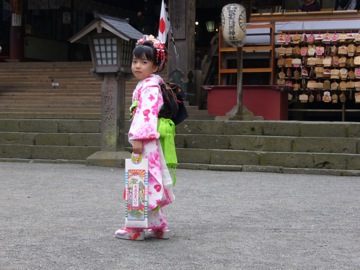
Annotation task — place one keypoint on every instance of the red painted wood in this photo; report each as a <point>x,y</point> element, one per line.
<point>262,100</point>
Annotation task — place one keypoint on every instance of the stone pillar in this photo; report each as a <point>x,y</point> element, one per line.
<point>113,152</point>
<point>182,20</point>
<point>16,31</point>
<point>112,115</point>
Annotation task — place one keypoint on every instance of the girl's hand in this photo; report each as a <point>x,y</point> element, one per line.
<point>137,147</point>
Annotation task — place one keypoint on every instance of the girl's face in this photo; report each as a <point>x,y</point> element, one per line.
<point>142,68</point>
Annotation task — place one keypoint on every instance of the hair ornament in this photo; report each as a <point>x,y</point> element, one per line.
<point>158,45</point>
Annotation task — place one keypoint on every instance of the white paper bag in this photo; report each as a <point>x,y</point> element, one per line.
<point>136,192</point>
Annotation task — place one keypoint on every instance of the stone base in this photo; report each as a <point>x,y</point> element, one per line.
<point>240,112</point>
<point>108,159</point>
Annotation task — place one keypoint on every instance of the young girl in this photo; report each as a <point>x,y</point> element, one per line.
<point>149,57</point>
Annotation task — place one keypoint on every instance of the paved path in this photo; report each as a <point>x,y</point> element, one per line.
<point>63,216</point>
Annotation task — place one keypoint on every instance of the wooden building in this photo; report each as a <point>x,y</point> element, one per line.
<point>34,30</point>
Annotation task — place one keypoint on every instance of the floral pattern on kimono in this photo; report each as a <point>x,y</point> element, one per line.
<point>144,128</point>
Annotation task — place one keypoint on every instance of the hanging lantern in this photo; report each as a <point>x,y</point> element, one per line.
<point>233,18</point>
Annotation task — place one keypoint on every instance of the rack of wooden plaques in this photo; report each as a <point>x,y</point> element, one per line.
<point>320,70</point>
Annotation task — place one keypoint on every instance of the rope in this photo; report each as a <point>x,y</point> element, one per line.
<point>172,36</point>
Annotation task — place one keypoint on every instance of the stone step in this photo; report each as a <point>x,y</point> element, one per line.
<point>50,125</point>
<point>56,139</point>
<point>233,158</point>
<point>40,94</point>
<point>41,72</point>
<point>194,141</point>
<point>48,78</point>
<point>54,103</point>
<point>44,97</point>
<point>46,152</point>
<point>267,128</point>
<point>46,85</point>
<point>268,169</point>
<point>271,128</point>
<point>47,112</point>
<point>26,66</point>
<point>48,115</point>
<point>229,159</point>
<point>259,128</point>
<point>263,143</point>
<point>50,97</point>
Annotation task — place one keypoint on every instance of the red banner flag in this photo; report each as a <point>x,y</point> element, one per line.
<point>164,24</point>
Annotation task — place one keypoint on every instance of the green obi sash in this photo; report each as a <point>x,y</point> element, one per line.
<point>166,129</point>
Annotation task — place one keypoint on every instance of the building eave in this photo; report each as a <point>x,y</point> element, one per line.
<point>119,27</point>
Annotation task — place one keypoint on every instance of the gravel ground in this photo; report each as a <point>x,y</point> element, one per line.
<point>63,216</point>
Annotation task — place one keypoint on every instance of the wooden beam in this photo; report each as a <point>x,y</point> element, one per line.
<point>306,16</point>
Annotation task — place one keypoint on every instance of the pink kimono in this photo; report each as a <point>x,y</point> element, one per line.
<point>144,127</point>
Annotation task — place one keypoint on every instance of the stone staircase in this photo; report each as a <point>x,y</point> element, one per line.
<point>52,111</point>
<point>48,140</point>
<point>263,146</point>
<point>58,90</point>
<point>48,90</point>
<point>39,122</point>
<point>270,146</point>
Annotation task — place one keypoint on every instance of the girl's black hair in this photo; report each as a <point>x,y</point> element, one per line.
<point>148,51</point>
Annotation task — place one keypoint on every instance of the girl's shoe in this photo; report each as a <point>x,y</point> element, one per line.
<point>130,234</point>
<point>160,234</point>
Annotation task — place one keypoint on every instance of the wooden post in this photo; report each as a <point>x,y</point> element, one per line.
<point>16,31</point>
<point>182,20</point>
<point>239,85</point>
<point>240,112</point>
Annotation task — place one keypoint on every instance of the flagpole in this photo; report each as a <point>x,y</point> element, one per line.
<point>165,12</point>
